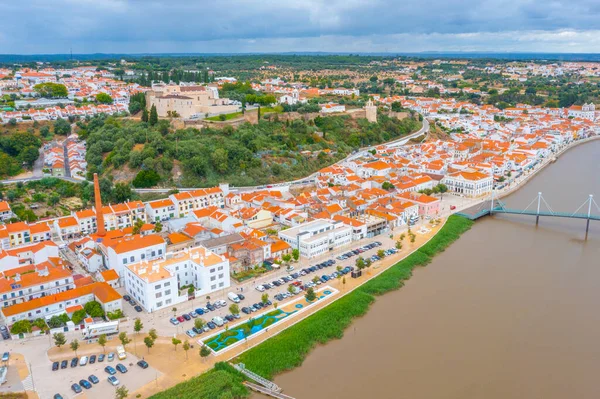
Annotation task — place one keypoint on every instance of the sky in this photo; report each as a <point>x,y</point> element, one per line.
<point>231,26</point>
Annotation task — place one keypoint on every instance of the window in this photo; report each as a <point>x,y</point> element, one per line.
<point>212,270</point>
<point>213,287</point>
<point>221,275</point>
<point>158,295</point>
<point>221,284</point>
<point>168,301</point>
<point>157,287</point>
<point>168,283</point>
<point>220,268</point>
<point>158,304</point>
<point>167,292</point>
<point>160,251</point>
<point>213,278</point>
<point>143,256</point>
<point>124,261</point>
<point>131,258</point>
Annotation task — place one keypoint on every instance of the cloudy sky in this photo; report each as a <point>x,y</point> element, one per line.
<point>159,26</point>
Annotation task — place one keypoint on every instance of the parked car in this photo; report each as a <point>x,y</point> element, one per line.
<point>5,356</point>
<point>127,298</point>
<point>193,314</point>
<point>229,317</point>
<point>260,288</point>
<point>174,321</point>
<point>121,368</point>
<point>114,381</point>
<point>199,311</point>
<point>143,364</point>
<point>101,357</point>
<point>76,388</point>
<point>211,325</point>
<point>221,303</point>
<point>55,366</point>
<point>210,307</point>
<point>180,319</point>
<point>186,316</point>
<point>83,361</point>
<point>57,396</point>
<point>64,364</point>
<point>138,308</point>
<point>111,356</point>
<point>93,379</point>
<point>74,362</point>
<point>191,333</point>
<point>92,359</point>
<point>85,383</point>
<point>246,310</point>
<point>110,370</point>
<point>242,297</point>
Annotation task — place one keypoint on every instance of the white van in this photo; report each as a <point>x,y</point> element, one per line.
<point>218,321</point>
<point>233,297</point>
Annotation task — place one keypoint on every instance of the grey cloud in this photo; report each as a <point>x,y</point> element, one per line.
<point>41,26</point>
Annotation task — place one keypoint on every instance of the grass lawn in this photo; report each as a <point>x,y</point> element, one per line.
<point>227,116</point>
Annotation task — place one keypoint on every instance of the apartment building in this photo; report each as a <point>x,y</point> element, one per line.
<point>317,237</point>
<point>470,184</point>
<point>189,201</point>
<point>122,251</point>
<point>155,284</point>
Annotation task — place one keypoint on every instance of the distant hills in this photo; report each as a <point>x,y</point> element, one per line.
<point>22,58</point>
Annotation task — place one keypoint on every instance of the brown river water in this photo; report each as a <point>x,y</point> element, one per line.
<point>510,310</point>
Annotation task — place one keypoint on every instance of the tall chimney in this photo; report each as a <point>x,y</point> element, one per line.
<point>101,232</point>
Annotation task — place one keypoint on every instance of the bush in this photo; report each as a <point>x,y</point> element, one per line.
<point>94,309</point>
<point>146,179</point>
<point>78,316</point>
<point>117,314</point>
<point>21,327</point>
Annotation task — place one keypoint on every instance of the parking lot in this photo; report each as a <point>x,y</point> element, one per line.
<point>48,383</point>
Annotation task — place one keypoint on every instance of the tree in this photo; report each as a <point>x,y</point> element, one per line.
<point>381,253</point>
<point>360,263</point>
<point>175,342</point>
<point>397,106</point>
<point>442,188</point>
<point>286,257</point>
<point>138,325</point>
<point>102,342</point>
<point>295,254</point>
<point>186,347</point>
<point>153,118</point>
<point>315,279</point>
<point>233,309</point>
<point>199,323</point>
<point>137,227</point>
<point>145,116</point>
<point>310,295</point>
<point>146,178</point>
<point>398,245</point>
<point>62,127</point>
<point>121,392</point>
<point>174,310</point>
<point>51,90</point>
<point>152,333</point>
<point>104,98</point>
<point>387,186</point>
<point>122,192</point>
<point>264,298</point>
<point>124,339</point>
<point>74,346</point>
<point>94,309</point>
<point>59,339</point>
<point>149,342</point>
<point>158,227</point>
<point>21,327</point>
<point>204,351</point>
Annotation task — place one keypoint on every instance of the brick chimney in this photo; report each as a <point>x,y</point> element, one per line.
<point>101,232</point>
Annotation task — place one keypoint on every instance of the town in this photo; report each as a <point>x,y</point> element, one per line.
<point>197,263</point>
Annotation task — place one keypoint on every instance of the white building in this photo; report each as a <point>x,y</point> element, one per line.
<point>121,252</point>
<point>469,184</point>
<point>317,237</point>
<point>156,284</point>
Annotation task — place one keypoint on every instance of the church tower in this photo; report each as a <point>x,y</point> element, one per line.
<point>371,111</point>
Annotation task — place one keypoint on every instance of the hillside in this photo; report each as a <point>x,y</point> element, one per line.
<point>268,152</point>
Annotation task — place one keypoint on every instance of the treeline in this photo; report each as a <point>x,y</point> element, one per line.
<point>268,152</point>
<point>17,150</point>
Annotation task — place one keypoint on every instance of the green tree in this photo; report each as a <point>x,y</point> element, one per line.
<point>186,347</point>
<point>295,254</point>
<point>149,342</point>
<point>152,333</point>
<point>122,192</point>
<point>138,325</point>
<point>381,253</point>
<point>124,339</point>
<point>137,226</point>
<point>21,327</point>
<point>310,295</point>
<point>204,351</point>
<point>153,118</point>
<point>442,188</point>
<point>286,257</point>
<point>59,339</point>
<point>398,245</point>
<point>121,392</point>
<point>74,346</point>
<point>199,323</point>
<point>360,263</point>
<point>104,98</point>
<point>146,178</point>
<point>233,309</point>
<point>387,186</point>
<point>220,160</point>
<point>102,342</point>
<point>175,342</point>
<point>264,297</point>
<point>94,309</point>
<point>51,90</point>
<point>145,116</point>
<point>158,227</point>
<point>62,127</point>
<point>291,289</point>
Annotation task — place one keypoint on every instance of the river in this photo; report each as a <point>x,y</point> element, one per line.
<point>510,310</point>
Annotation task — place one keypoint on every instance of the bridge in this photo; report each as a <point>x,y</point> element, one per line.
<point>261,384</point>
<point>495,206</point>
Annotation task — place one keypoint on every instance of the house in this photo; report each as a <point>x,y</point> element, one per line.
<point>469,183</point>
<point>5,211</point>
<point>428,205</point>
<point>121,251</point>
<point>58,303</point>
<point>317,237</point>
<point>160,210</point>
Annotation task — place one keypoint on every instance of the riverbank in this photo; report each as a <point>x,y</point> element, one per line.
<point>288,348</point>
